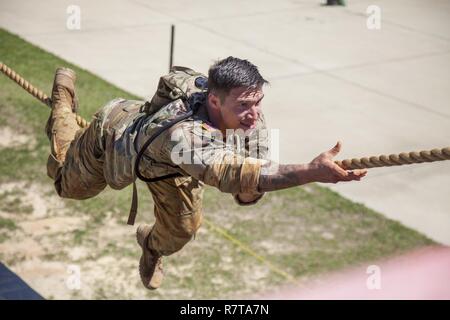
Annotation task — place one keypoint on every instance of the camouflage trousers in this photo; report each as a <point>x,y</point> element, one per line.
<point>177,201</point>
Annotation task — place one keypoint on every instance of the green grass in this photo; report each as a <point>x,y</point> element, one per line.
<point>11,201</point>
<point>303,231</point>
<point>7,224</point>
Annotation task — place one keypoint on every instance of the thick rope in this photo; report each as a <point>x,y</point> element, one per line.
<point>38,94</point>
<point>348,164</point>
<point>396,159</point>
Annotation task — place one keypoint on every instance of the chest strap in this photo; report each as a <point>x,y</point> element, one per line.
<point>134,201</point>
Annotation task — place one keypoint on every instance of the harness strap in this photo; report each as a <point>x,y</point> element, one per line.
<point>134,206</point>
<point>134,201</point>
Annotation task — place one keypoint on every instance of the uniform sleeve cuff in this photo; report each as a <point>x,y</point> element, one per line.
<point>250,171</point>
<point>242,203</point>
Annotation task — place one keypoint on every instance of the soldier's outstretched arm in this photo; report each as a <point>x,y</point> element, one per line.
<point>275,176</point>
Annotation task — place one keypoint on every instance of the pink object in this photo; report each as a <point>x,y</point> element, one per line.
<point>420,274</point>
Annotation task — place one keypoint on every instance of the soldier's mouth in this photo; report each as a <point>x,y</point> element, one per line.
<point>251,125</point>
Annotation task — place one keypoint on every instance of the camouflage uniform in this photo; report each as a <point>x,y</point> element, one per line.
<point>105,152</point>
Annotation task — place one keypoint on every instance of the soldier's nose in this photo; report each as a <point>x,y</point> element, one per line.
<point>253,114</point>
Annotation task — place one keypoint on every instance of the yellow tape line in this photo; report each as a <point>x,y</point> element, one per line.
<point>246,249</point>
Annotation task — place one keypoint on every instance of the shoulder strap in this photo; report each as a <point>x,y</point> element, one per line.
<point>134,201</point>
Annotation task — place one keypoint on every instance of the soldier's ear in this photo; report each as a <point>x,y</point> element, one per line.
<point>214,101</point>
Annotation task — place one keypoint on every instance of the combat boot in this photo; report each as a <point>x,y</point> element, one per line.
<point>61,125</point>
<point>63,92</point>
<point>150,264</point>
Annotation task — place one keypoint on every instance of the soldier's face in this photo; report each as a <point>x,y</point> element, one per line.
<point>241,108</point>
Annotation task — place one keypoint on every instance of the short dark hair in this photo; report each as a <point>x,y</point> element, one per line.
<point>231,73</point>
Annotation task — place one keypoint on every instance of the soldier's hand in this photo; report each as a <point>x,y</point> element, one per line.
<point>323,168</point>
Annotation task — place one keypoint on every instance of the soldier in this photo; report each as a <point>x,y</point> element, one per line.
<point>84,160</point>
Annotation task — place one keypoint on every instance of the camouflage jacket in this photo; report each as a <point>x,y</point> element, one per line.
<point>229,167</point>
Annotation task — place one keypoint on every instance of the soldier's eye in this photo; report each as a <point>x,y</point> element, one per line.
<point>259,102</point>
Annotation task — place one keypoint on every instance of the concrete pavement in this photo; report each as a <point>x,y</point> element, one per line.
<point>378,91</point>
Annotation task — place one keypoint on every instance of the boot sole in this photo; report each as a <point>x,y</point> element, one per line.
<point>67,72</point>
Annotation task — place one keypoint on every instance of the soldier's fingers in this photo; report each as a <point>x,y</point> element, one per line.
<point>358,172</point>
<point>335,150</point>
<point>350,177</point>
<point>340,172</point>
<point>356,176</point>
